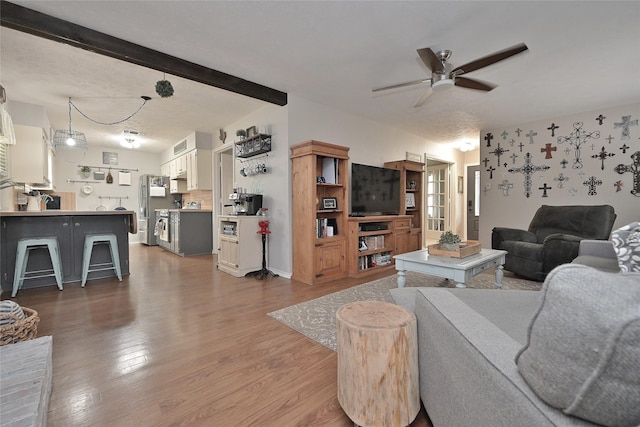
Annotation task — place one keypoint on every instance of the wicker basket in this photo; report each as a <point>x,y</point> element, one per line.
<point>19,330</point>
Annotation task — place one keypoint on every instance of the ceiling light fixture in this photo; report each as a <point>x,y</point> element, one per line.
<point>130,139</point>
<point>466,146</point>
<point>70,139</point>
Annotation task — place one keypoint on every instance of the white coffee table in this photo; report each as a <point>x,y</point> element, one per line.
<point>458,269</point>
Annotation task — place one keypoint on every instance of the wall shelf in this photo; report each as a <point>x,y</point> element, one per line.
<point>253,146</point>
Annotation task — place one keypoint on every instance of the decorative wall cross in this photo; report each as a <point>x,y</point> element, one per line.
<point>561,179</point>
<point>577,138</point>
<point>512,141</point>
<point>592,183</point>
<point>518,131</point>
<point>544,189</point>
<point>504,134</point>
<point>553,128</point>
<point>531,134</point>
<point>499,152</point>
<point>547,150</point>
<point>634,168</point>
<point>624,148</point>
<point>573,191</point>
<point>488,137</point>
<point>514,156</point>
<point>564,163</point>
<point>609,139</point>
<point>618,184</point>
<point>527,169</point>
<point>485,161</point>
<point>624,125</point>
<point>505,185</point>
<point>602,155</point>
<point>600,119</point>
<point>521,145</point>
<point>490,170</point>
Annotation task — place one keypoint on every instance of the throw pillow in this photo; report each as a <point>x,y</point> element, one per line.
<point>626,242</point>
<point>583,348</point>
<point>10,307</point>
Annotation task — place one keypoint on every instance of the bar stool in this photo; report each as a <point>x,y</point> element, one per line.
<point>100,239</point>
<point>25,246</point>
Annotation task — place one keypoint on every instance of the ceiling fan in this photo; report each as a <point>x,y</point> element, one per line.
<point>443,77</point>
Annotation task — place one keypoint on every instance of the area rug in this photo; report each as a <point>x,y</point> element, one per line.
<point>316,319</point>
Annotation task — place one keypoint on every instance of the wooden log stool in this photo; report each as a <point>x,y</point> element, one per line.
<point>377,363</point>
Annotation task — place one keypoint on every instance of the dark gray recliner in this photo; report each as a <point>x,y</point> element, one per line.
<point>553,238</point>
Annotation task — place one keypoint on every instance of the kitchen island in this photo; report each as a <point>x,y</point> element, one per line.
<point>70,227</point>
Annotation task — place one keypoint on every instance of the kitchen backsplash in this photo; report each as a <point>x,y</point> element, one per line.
<point>203,196</point>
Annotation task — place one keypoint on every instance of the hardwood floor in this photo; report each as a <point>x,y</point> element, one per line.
<point>179,343</point>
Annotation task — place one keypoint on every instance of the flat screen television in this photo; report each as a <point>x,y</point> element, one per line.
<point>374,190</point>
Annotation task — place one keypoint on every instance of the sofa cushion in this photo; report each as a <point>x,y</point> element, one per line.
<point>626,242</point>
<point>583,348</point>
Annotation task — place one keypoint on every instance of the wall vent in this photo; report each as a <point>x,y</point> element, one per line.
<point>180,147</point>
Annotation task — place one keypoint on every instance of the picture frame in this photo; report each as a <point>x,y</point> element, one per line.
<point>329,203</point>
<point>460,184</point>
<point>252,131</point>
<point>413,157</point>
<point>410,200</point>
<point>320,180</point>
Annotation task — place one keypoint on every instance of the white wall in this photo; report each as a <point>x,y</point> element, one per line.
<point>516,210</point>
<point>146,163</point>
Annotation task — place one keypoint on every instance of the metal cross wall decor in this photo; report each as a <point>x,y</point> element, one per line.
<point>634,168</point>
<point>577,138</point>
<point>499,152</point>
<point>592,182</point>
<point>624,125</point>
<point>527,170</point>
<point>602,155</point>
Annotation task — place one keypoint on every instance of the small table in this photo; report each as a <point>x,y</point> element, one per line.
<point>377,363</point>
<point>458,269</point>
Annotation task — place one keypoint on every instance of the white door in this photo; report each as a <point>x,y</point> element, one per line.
<point>473,202</point>
<point>438,203</point>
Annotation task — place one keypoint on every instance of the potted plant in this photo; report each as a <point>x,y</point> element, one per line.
<point>449,241</point>
<point>241,133</point>
<point>85,171</point>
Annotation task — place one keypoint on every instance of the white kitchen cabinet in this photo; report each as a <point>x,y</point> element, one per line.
<point>165,169</point>
<point>199,174</point>
<point>239,244</point>
<point>31,157</point>
<point>178,167</point>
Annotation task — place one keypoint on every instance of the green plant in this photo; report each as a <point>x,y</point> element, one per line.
<point>85,169</point>
<point>449,238</point>
<point>241,133</point>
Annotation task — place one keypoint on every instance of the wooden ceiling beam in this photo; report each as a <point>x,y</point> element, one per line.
<point>39,24</point>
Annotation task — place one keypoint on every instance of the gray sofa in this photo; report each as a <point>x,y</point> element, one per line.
<point>468,341</point>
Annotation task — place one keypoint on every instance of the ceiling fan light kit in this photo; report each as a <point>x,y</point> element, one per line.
<point>443,77</point>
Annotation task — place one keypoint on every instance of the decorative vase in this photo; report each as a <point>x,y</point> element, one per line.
<point>85,174</point>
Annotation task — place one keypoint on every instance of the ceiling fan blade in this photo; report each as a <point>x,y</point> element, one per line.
<point>490,59</point>
<point>411,83</point>
<point>431,60</point>
<point>473,84</point>
<point>424,98</point>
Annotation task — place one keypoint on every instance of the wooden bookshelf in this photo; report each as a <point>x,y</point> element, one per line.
<point>319,201</point>
<point>411,203</point>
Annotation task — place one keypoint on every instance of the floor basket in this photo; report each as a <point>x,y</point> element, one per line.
<point>19,330</point>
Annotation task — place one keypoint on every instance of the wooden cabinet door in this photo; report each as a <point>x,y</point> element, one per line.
<point>402,241</point>
<point>330,260</point>
<point>415,240</point>
<point>228,252</point>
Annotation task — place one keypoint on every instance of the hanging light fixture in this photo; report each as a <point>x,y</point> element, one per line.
<point>68,138</point>
<point>466,146</point>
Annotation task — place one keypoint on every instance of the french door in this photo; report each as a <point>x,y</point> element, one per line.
<point>438,202</point>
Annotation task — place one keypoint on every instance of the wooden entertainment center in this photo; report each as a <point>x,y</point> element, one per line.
<point>327,243</point>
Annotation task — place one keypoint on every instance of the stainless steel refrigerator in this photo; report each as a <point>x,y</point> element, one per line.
<point>153,193</point>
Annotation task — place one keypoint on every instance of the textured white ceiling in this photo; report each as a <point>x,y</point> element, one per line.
<point>582,56</point>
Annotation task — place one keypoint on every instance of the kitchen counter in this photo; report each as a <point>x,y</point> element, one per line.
<point>70,228</point>
<point>57,212</point>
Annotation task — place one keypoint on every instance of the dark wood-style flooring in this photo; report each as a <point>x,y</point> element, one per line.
<point>179,343</point>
